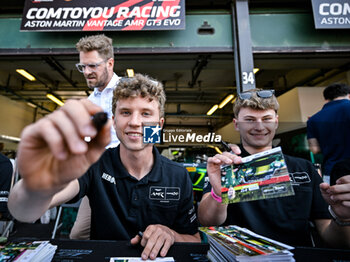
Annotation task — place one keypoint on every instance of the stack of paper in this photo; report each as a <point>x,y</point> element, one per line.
<point>27,251</point>
<point>233,243</point>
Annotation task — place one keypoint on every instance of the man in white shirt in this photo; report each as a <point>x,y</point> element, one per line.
<point>96,63</point>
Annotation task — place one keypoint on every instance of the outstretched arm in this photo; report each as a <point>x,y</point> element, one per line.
<point>338,197</point>
<point>52,154</point>
<point>28,206</point>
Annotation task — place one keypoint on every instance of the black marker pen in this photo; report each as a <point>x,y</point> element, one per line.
<point>226,146</point>
<point>99,120</point>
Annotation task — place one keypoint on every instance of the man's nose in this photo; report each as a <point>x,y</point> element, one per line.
<point>87,70</point>
<point>258,124</point>
<point>135,120</point>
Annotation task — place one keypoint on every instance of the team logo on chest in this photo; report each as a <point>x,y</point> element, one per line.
<point>164,193</point>
<point>300,178</point>
<point>109,178</point>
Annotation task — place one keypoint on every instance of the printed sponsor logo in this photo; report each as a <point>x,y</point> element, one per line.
<point>191,210</point>
<point>268,191</point>
<point>193,218</point>
<point>3,199</point>
<point>281,188</point>
<point>300,178</point>
<point>109,178</point>
<point>274,190</point>
<point>164,193</point>
<point>157,193</point>
<point>67,15</point>
<point>172,193</point>
<point>331,13</point>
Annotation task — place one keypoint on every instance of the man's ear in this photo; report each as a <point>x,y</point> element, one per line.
<point>235,123</point>
<point>110,63</point>
<point>161,122</point>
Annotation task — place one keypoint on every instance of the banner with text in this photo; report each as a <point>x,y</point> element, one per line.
<point>103,15</point>
<point>330,14</point>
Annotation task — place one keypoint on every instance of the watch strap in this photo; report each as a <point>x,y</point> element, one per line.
<point>336,219</point>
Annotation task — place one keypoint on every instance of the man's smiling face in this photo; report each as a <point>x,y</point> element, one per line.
<point>130,114</point>
<point>257,128</point>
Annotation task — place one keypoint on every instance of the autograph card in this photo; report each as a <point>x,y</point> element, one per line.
<point>260,176</point>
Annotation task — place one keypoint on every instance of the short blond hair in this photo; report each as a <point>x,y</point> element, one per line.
<point>255,102</point>
<point>100,43</point>
<point>139,85</point>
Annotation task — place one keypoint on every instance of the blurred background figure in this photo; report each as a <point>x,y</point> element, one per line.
<point>328,129</point>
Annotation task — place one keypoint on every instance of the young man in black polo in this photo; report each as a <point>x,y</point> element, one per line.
<point>131,188</point>
<point>286,218</point>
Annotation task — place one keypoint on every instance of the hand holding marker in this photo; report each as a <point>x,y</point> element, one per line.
<point>99,120</point>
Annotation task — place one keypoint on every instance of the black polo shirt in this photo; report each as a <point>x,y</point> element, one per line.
<point>121,205</point>
<point>285,219</point>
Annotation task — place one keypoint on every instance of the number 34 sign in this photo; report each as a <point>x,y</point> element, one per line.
<point>248,78</point>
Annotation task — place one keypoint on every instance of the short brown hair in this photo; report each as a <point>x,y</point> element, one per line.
<point>139,85</point>
<point>101,43</point>
<point>255,102</point>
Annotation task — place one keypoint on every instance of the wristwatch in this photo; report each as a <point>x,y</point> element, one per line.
<point>336,219</point>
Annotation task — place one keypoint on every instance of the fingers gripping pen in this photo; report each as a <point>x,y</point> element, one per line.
<point>99,120</point>
<point>226,146</point>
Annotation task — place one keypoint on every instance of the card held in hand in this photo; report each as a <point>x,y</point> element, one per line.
<point>260,176</point>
